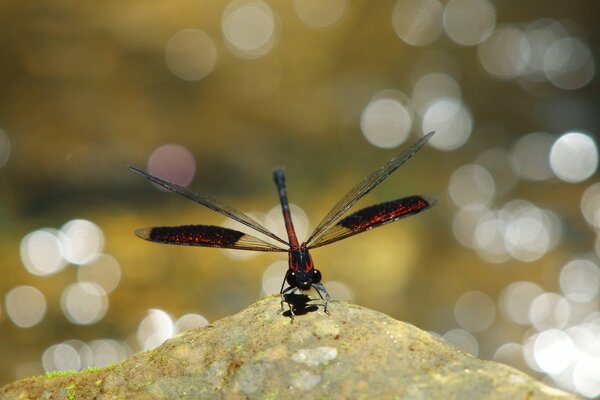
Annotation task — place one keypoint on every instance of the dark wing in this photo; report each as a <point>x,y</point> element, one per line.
<point>364,187</point>
<point>205,236</point>
<point>372,217</point>
<point>211,203</point>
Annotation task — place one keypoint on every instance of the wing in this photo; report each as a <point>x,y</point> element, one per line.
<point>211,203</point>
<point>372,217</point>
<point>205,236</point>
<point>364,187</point>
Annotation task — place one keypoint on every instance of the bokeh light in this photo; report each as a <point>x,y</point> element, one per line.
<point>273,277</point>
<point>502,53</point>
<point>539,36</point>
<point>471,185</point>
<point>516,299</point>
<point>465,223</point>
<point>452,122</point>
<point>488,238</point>
<point>232,224</point>
<point>154,329</point>
<point>75,355</point>
<point>102,352</point>
<point>417,22</point>
<point>568,64</point>
<point>42,252</point>
<point>274,222</point>
<point>549,310</point>
<point>510,353</point>
<point>586,377</point>
<point>463,340</point>
<point>249,28</point>
<point>61,357</point>
<point>474,311</point>
<point>469,22</point>
<point>387,120</point>
<point>174,163</point>
<point>431,87</point>
<point>25,306</point>
<point>104,271</point>
<point>518,230</point>
<point>530,156</point>
<point>320,14</point>
<point>580,280</point>
<point>84,303</point>
<point>530,231</point>
<point>191,54</point>
<point>189,321</point>
<point>83,241</point>
<point>553,351</point>
<point>574,157</point>
<point>590,205</point>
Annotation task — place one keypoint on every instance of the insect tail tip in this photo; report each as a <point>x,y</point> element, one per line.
<point>278,173</point>
<point>143,233</point>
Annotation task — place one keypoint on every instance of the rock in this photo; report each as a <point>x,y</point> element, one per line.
<point>260,354</point>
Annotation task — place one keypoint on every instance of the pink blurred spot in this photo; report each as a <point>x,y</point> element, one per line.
<point>173,163</point>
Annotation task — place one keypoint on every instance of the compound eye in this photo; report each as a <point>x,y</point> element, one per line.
<point>291,279</point>
<point>316,278</point>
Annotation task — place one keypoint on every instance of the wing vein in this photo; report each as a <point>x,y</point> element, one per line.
<point>372,217</point>
<point>364,187</point>
<point>211,203</point>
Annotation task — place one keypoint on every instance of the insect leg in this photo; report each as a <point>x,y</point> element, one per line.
<point>282,291</point>
<point>319,287</point>
<point>291,290</point>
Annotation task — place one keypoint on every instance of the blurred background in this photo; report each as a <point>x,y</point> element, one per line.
<point>214,94</point>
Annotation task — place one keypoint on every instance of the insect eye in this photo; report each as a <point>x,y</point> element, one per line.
<point>316,278</point>
<point>291,279</point>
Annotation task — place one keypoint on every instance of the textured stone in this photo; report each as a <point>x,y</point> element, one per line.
<point>260,354</point>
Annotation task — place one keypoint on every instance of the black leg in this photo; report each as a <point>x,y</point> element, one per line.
<point>292,290</point>
<point>319,287</point>
<point>283,291</point>
<point>284,280</point>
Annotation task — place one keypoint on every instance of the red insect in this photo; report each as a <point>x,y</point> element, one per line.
<point>301,274</point>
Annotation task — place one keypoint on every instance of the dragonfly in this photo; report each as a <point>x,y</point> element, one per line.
<point>301,274</point>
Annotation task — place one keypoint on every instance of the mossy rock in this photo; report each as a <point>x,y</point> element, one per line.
<point>352,353</point>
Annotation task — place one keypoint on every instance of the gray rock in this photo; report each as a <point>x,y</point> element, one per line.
<point>353,353</point>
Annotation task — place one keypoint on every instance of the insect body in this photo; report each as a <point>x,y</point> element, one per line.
<point>301,274</point>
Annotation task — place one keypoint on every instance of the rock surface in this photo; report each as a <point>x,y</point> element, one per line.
<point>353,353</point>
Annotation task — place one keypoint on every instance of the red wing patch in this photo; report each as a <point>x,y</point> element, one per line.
<point>205,236</point>
<point>379,214</point>
<point>374,216</point>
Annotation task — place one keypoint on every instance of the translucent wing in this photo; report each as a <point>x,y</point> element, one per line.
<point>205,236</point>
<point>372,217</point>
<point>211,203</point>
<point>364,187</point>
